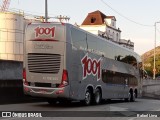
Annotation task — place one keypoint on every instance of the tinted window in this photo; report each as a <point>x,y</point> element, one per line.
<point>78,38</point>
<point>126,56</point>
<point>92,42</point>
<point>112,77</point>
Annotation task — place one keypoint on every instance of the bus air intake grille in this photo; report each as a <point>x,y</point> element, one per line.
<point>44,63</point>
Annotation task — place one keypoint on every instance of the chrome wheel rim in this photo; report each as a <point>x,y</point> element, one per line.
<point>134,96</point>
<point>97,97</point>
<point>87,98</point>
<point>129,97</point>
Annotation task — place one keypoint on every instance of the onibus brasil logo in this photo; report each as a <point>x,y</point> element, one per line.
<point>91,66</point>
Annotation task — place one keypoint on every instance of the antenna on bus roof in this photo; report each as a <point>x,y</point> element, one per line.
<point>61,18</point>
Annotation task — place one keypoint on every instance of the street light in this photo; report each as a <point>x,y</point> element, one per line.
<point>154,66</point>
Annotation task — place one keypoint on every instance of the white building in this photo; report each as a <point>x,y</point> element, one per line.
<point>12,25</point>
<point>11,36</point>
<point>105,26</point>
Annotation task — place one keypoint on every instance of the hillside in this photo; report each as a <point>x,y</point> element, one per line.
<point>148,60</point>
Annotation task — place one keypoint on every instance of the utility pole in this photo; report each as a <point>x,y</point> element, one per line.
<point>46,11</point>
<point>154,62</point>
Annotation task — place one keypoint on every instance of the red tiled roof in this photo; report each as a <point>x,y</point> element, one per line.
<point>94,18</point>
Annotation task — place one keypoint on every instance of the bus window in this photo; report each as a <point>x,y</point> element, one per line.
<point>78,38</point>
<point>112,77</point>
<point>92,42</point>
<point>129,60</point>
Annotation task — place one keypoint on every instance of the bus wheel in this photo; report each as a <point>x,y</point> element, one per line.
<point>88,97</point>
<point>97,96</point>
<point>129,98</point>
<point>133,97</point>
<point>52,101</point>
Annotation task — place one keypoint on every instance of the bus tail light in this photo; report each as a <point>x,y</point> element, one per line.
<point>24,77</point>
<point>60,92</point>
<point>64,81</point>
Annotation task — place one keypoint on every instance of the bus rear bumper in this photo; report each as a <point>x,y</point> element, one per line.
<point>46,92</point>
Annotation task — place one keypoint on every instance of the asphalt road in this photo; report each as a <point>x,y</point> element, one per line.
<point>142,109</point>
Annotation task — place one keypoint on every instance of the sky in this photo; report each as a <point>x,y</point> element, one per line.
<point>135,18</point>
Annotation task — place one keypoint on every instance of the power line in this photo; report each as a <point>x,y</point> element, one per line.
<point>157,30</point>
<point>125,16</point>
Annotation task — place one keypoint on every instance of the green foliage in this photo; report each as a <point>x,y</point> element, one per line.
<point>149,61</point>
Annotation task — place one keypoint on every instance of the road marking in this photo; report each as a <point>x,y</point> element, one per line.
<point>132,118</point>
<point>113,108</point>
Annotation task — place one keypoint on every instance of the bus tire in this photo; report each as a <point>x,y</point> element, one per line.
<point>88,97</point>
<point>97,96</point>
<point>129,98</point>
<point>51,101</point>
<point>133,97</point>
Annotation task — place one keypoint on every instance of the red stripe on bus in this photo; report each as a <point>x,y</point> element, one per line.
<point>43,40</point>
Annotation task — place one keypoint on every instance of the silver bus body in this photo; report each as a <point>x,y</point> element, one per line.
<point>63,61</point>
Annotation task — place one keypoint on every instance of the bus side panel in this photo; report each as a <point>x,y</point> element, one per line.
<point>113,88</point>
<point>117,87</point>
<point>119,78</point>
<point>72,65</point>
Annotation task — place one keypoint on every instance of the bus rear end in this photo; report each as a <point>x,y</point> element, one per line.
<point>44,73</point>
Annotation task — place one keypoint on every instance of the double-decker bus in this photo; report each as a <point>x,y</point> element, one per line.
<point>64,62</point>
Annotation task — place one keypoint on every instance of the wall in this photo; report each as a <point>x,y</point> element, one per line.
<point>11,70</point>
<point>94,28</point>
<point>11,87</point>
<point>11,36</point>
<point>113,34</point>
<point>151,88</point>
<point>103,28</point>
